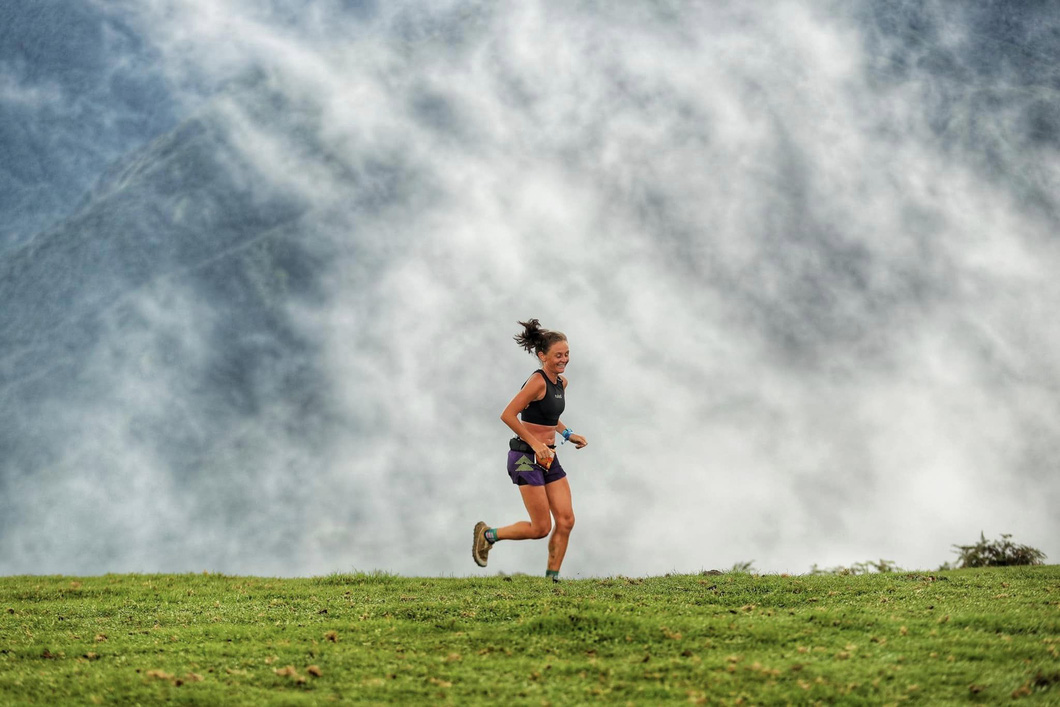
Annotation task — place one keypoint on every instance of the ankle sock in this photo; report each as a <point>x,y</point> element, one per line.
<point>554,574</point>
<point>491,535</point>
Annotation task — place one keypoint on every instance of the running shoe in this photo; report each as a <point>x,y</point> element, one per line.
<point>480,546</point>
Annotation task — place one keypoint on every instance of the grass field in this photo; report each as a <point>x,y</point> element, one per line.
<point>962,636</point>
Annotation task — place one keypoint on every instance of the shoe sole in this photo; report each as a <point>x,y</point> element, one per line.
<point>480,528</point>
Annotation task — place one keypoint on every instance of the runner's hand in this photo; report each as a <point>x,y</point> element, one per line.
<point>579,441</point>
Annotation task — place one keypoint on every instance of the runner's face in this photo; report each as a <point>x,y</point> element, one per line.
<point>554,361</point>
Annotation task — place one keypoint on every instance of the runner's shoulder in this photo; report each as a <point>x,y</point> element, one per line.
<point>535,384</point>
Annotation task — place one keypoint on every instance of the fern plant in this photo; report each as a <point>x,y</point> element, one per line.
<point>997,553</point>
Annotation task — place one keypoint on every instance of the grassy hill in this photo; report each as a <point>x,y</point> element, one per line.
<point>960,636</point>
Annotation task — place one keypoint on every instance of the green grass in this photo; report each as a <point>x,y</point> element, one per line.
<point>960,636</point>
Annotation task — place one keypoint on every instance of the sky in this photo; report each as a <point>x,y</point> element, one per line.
<point>803,253</point>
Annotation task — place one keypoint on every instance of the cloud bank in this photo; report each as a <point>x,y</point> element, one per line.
<point>803,254</point>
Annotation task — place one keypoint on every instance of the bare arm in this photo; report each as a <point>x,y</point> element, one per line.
<point>533,390</point>
<point>578,440</point>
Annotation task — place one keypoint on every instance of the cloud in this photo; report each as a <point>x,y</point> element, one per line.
<point>806,325</point>
<point>18,92</point>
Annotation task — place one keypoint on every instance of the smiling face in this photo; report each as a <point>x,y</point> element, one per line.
<point>554,360</point>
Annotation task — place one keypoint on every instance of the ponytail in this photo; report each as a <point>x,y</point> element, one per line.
<point>536,339</point>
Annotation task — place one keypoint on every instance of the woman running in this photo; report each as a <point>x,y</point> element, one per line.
<point>532,461</point>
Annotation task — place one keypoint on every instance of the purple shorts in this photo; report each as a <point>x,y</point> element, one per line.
<point>525,472</point>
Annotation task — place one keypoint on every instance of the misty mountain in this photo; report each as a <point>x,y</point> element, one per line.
<point>258,266</point>
<point>97,318</point>
<point>79,88</point>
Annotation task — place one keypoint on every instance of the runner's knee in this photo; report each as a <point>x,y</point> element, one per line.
<point>565,522</point>
<point>540,528</point>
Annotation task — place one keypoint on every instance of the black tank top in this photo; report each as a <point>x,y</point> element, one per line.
<point>547,410</point>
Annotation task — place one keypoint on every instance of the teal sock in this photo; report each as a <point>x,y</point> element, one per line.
<point>554,574</point>
<point>491,535</point>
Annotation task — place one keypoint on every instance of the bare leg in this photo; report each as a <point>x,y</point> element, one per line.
<point>559,502</point>
<point>537,504</point>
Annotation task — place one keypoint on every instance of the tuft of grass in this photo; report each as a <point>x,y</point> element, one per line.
<point>958,636</point>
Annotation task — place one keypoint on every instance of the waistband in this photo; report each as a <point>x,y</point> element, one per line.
<point>517,445</point>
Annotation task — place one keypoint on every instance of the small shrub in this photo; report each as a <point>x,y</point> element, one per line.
<point>857,568</point>
<point>997,553</point>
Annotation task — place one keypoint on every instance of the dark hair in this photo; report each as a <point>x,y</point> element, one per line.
<point>536,339</point>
